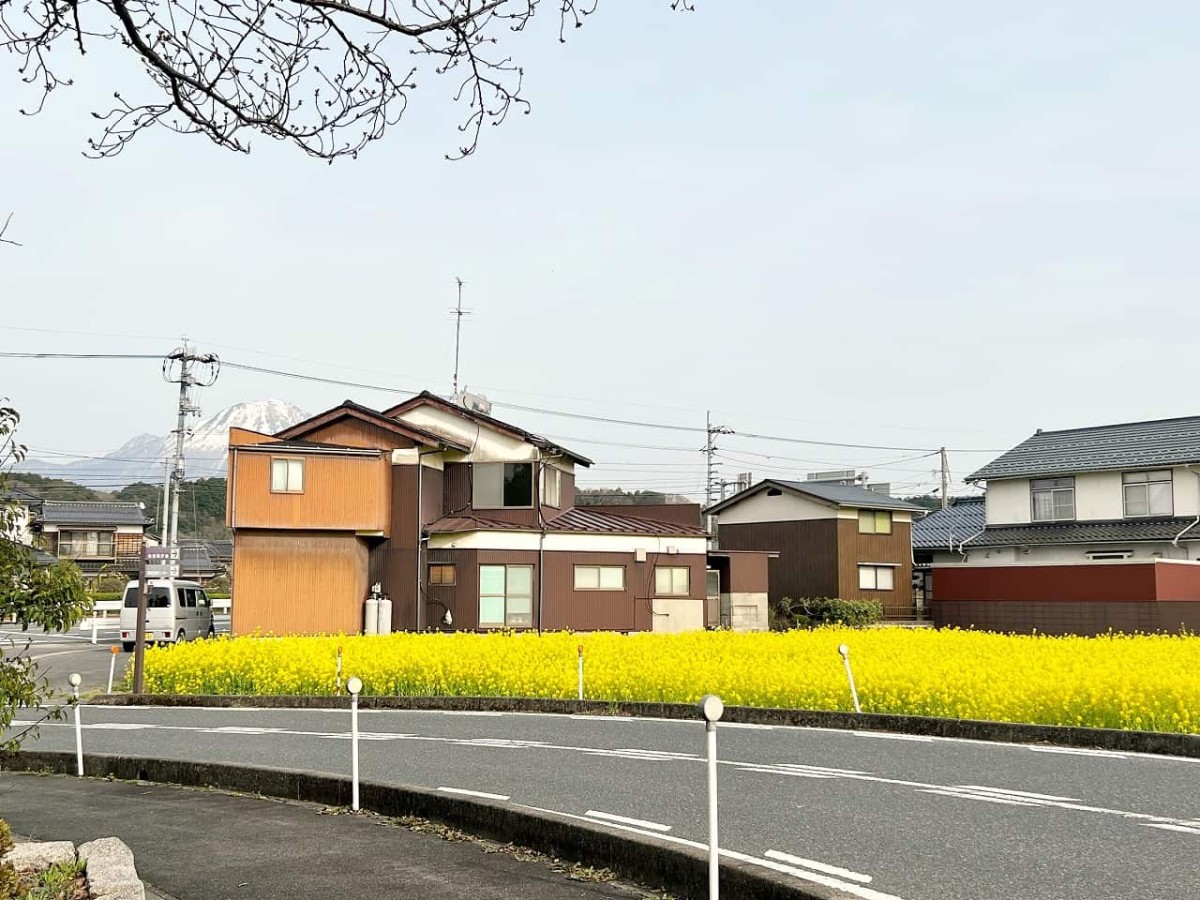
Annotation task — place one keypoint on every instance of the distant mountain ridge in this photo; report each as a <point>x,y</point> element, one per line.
<point>141,457</point>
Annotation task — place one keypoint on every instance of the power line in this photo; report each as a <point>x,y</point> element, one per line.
<point>7,354</point>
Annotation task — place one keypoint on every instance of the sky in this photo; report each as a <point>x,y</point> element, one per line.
<point>947,226</point>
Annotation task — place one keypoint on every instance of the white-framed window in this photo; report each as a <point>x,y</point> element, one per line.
<point>502,485</point>
<point>287,476</point>
<point>76,544</point>
<point>599,578</point>
<point>551,486</point>
<point>672,581</point>
<point>505,596</point>
<point>874,521</point>
<point>876,578</point>
<point>1148,494</point>
<point>1053,499</point>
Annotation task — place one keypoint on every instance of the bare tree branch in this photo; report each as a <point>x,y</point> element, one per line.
<point>323,75</point>
<point>4,230</point>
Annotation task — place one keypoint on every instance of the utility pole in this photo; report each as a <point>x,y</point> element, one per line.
<point>713,490</point>
<point>458,312</point>
<point>164,503</point>
<point>945,479</point>
<point>187,369</point>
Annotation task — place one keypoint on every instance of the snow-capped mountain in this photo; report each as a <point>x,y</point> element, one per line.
<point>141,458</point>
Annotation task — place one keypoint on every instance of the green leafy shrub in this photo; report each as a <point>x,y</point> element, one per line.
<point>813,612</point>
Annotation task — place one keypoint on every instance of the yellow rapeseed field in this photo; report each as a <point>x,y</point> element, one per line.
<point>1149,682</point>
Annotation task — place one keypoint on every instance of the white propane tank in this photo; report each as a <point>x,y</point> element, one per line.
<point>371,616</point>
<point>385,615</point>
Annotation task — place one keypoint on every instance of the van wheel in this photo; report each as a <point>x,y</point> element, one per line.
<point>127,646</point>
<point>212,632</point>
<point>182,636</point>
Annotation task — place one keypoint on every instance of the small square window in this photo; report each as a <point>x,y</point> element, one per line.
<point>876,578</point>
<point>874,521</point>
<point>287,476</point>
<point>441,573</point>
<point>672,581</point>
<point>599,578</point>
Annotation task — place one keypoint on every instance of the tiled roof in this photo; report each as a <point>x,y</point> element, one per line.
<point>1136,445</point>
<point>963,518</point>
<point>40,557</point>
<point>844,495</point>
<point>91,512</point>
<point>579,520</point>
<point>1110,532</point>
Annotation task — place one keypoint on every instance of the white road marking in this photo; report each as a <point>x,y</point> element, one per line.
<point>818,866</point>
<point>1082,751</point>
<point>887,735</point>
<point>118,726</point>
<point>466,793</point>
<point>1169,827</point>
<point>969,795</point>
<point>625,820</point>
<point>749,726</point>
<point>38,656</point>
<point>1019,794</point>
<point>597,718</point>
<point>856,890</point>
<point>469,712</point>
<point>780,770</point>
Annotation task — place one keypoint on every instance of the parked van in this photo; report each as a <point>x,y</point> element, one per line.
<point>175,611</point>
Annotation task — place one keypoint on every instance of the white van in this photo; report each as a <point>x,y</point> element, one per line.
<point>175,611</point>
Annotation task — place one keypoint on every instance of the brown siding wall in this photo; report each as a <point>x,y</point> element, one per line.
<point>567,491</point>
<point>808,555</point>
<point>458,499</point>
<point>353,433</point>
<point>1086,617</point>
<point>748,573</point>
<point>895,548</point>
<point>348,493</point>
<point>298,582</point>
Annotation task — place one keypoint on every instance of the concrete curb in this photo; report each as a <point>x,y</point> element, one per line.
<point>111,873</point>
<point>1162,743</point>
<point>679,870</point>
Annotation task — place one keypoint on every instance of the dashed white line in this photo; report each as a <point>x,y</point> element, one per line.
<point>971,795</point>
<point>818,866</point>
<point>625,820</point>
<point>1168,827</point>
<point>1082,751</point>
<point>467,793</point>
<point>887,735</point>
<point>469,712</point>
<point>1027,795</point>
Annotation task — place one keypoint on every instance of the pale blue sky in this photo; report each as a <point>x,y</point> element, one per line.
<point>949,225</point>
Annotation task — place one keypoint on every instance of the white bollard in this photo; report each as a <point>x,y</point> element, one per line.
<point>354,685</point>
<point>581,671</point>
<point>845,653</point>
<point>93,629</point>
<point>112,667</point>
<point>75,681</point>
<point>712,708</point>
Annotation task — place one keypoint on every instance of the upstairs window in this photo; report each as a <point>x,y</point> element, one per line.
<point>874,521</point>
<point>1053,499</point>
<point>551,486</point>
<point>76,544</point>
<point>287,476</point>
<point>502,485</point>
<point>1148,494</point>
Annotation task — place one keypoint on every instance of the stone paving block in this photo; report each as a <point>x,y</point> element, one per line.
<point>110,870</point>
<point>33,855</point>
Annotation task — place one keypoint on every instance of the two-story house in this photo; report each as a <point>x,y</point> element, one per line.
<point>1085,530</point>
<point>454,514</point>
<point>96,535</point>
<point>830,540</point>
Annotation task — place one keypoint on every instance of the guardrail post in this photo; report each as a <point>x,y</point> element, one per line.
<point>354,685</point>
<point>845,654</point>
<point>712,708</point>
<point>75,681</point>
<point>93,626</point>
<point>112,666</point>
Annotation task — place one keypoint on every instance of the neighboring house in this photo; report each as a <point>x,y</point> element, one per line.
<point>832,540</point>
<point>97,535</point>
<point>1086,530</point>
<point>25,509</point>
<point>198,561</point>
<point>939,538</point>
<point>452,513</point>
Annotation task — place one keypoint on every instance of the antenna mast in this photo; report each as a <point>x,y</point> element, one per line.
<point>458,314</point>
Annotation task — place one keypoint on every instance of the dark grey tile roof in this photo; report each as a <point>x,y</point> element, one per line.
<point>963,518</point>
<point>40,557</point>
<point>844,495</point>
<point>1110,532</point>
<point>89,512</point>
<point>1136,445</point>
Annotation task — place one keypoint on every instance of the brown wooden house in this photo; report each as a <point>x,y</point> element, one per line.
<point>833,540</point>
<point>449,511</point>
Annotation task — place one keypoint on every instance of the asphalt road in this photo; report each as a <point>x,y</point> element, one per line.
<point>878,816</point>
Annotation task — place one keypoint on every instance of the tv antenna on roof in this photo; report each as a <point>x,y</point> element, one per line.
<point>458,312</point>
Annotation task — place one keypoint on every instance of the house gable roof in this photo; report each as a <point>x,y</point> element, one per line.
<point>1133,445</point>
<point>842,496</point>
<point>965,517</point>
<point>579,520</point>
<point>1117,531</point>
<point>351,410</point>
<point>425,398</point>
<point>91,512</point>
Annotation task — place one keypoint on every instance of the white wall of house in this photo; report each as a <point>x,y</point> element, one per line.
<point>1066,554</point>
<point>786,507</point>
<point>1098,496</point>
<point>18,525</point>
<point>675,614</point>
<point>487,445</point>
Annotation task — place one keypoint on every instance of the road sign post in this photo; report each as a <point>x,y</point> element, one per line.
<point>112,667</point>
<point>75,681</point>
<point>844,651</point>
<point>139,636</point>
<point>354,685</point>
